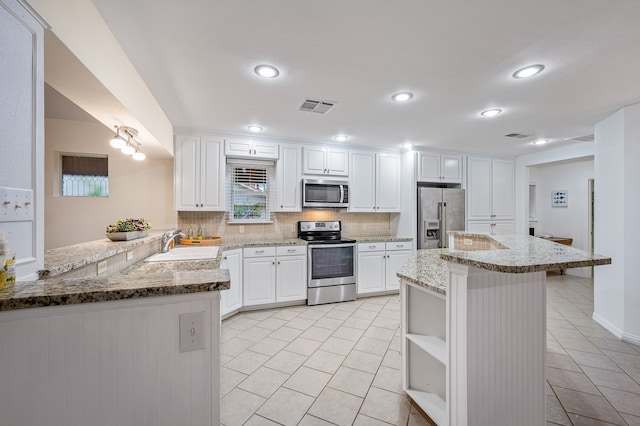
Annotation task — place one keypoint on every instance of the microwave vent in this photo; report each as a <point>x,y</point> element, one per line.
<point>319,107</point>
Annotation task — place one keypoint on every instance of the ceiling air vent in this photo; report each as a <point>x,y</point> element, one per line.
<point>320,107</point>
<point>585,138</point>
<point>517,135</point>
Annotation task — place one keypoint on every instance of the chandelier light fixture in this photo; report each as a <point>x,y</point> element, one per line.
<point>124,140</point>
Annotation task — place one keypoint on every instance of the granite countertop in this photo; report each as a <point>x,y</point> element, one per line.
<point>139,280</point>
<point>522,254</point>
<point>380,239</point>
<point>426,269</point>
<point>64,259</point>
<point>231,244</point>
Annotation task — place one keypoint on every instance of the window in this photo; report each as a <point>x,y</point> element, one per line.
<point>250,191</point>
<point>532,201</point>
<point>84,176</point>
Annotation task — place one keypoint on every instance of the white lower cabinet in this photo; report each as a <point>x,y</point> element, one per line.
<point>274,274</point>
<point>231,300</point>
<point>496,227</point>
<point>378,264</point>
<point>291,273</point>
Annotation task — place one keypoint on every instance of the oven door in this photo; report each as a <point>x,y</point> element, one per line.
<point>331,264</point>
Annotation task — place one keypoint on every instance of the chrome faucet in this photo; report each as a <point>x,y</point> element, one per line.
<point>169,236</point>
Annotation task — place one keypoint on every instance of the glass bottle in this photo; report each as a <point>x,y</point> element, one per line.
<point>199,232</point>
<point>190,232</point>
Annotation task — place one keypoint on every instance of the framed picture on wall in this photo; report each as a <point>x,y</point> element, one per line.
<point>559,198</point>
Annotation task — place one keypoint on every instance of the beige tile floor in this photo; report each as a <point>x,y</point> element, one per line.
<point>339,364</point>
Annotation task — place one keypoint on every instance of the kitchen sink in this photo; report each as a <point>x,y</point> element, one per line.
<point>185,253</point>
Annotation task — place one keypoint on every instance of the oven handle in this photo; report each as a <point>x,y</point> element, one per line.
<point>323,246</point>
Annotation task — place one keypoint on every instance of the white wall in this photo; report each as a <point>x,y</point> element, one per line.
<point>136,188</point>
<point>617,174</point>
<point>523,162</point>
<point>571,221</point>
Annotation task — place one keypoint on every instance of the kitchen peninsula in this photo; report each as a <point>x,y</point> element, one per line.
<point>108,349</point>
<point>474,327</point>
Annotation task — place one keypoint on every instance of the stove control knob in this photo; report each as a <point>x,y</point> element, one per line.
<point>305,226</point>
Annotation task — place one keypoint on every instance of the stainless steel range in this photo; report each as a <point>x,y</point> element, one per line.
<point>331,275</point>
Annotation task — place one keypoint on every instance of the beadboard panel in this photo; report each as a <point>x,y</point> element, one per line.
<point>116,365</point>
<point>499,371</point>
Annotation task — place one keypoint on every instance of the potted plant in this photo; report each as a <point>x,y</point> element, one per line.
<point>128,229</point>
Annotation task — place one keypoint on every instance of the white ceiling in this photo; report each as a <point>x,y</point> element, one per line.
<point>457,57</point>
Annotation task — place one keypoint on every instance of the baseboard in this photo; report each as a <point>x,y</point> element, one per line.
<point>616,331</point>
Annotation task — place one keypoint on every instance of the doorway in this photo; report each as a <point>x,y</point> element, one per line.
<point>590,221</point>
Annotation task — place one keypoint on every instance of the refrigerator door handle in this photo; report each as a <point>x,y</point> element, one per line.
<point>442,212</point>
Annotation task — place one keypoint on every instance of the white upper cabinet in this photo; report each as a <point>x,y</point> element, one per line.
<point>326,161</point>
<point>199,173</point>
<point>490,189</point>
<point>374,184</point>
<point>289,179</point>
<point>443,168</point>
<point>255,149</point>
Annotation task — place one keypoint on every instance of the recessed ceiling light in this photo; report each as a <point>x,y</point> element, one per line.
<point>266,71</point>
<point>529,71</point>
<point>402,96</point>
<point>491,112</point>
<point>254,128</point>
<point>341,138</point>
<point>540,142</point>
<point>407,145</point>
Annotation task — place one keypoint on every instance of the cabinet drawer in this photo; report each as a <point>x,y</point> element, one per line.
<point>400,245</point>
<point>290,250</point>
<point>364,247</point>
<point>259,251</point>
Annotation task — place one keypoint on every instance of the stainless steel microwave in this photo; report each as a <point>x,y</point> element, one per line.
<point>320,193</point>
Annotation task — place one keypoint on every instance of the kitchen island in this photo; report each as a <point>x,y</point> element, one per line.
<point>107,349</point>
<point>474,327</point>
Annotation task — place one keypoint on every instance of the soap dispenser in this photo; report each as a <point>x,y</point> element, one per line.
<point>7,263</point>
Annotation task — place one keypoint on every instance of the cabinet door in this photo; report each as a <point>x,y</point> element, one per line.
<point>291,278</point>
<point>479,189</point>
<point>337,162</point>
<point>451,168</point>
<point>266,150</point>
<point>238,148</point>
<point>362,182</point>
<point>394,261</point>
<point>388,183</point>
<point>187,173</point>
<point>232,298</point>
<point>505,227</point>
<point>259,280</point>
<point>371,276</point>
<point>480,227</point>
<point>314,161</point>
<point>429,167</point>
<point>289,176</point>
<point>211,175</point>
<point>502,189</point>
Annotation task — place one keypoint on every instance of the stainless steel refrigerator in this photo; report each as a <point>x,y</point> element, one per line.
<point>439,210</point>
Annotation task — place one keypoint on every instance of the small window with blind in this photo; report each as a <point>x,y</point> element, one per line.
<point>84,176</point>
<point>250,191</point>
<point>532,201</point>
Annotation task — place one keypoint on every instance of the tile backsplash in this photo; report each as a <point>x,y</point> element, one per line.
<point>285,224</point>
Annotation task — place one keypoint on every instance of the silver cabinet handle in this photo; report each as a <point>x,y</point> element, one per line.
<point>291,250</point>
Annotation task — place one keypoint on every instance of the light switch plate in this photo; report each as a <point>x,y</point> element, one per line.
<point>468,241</point>
<point>16,205</point>
<point>129,256</point>
<point>191,332</point>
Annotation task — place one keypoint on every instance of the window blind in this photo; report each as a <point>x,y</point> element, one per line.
<point>250,191</point>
